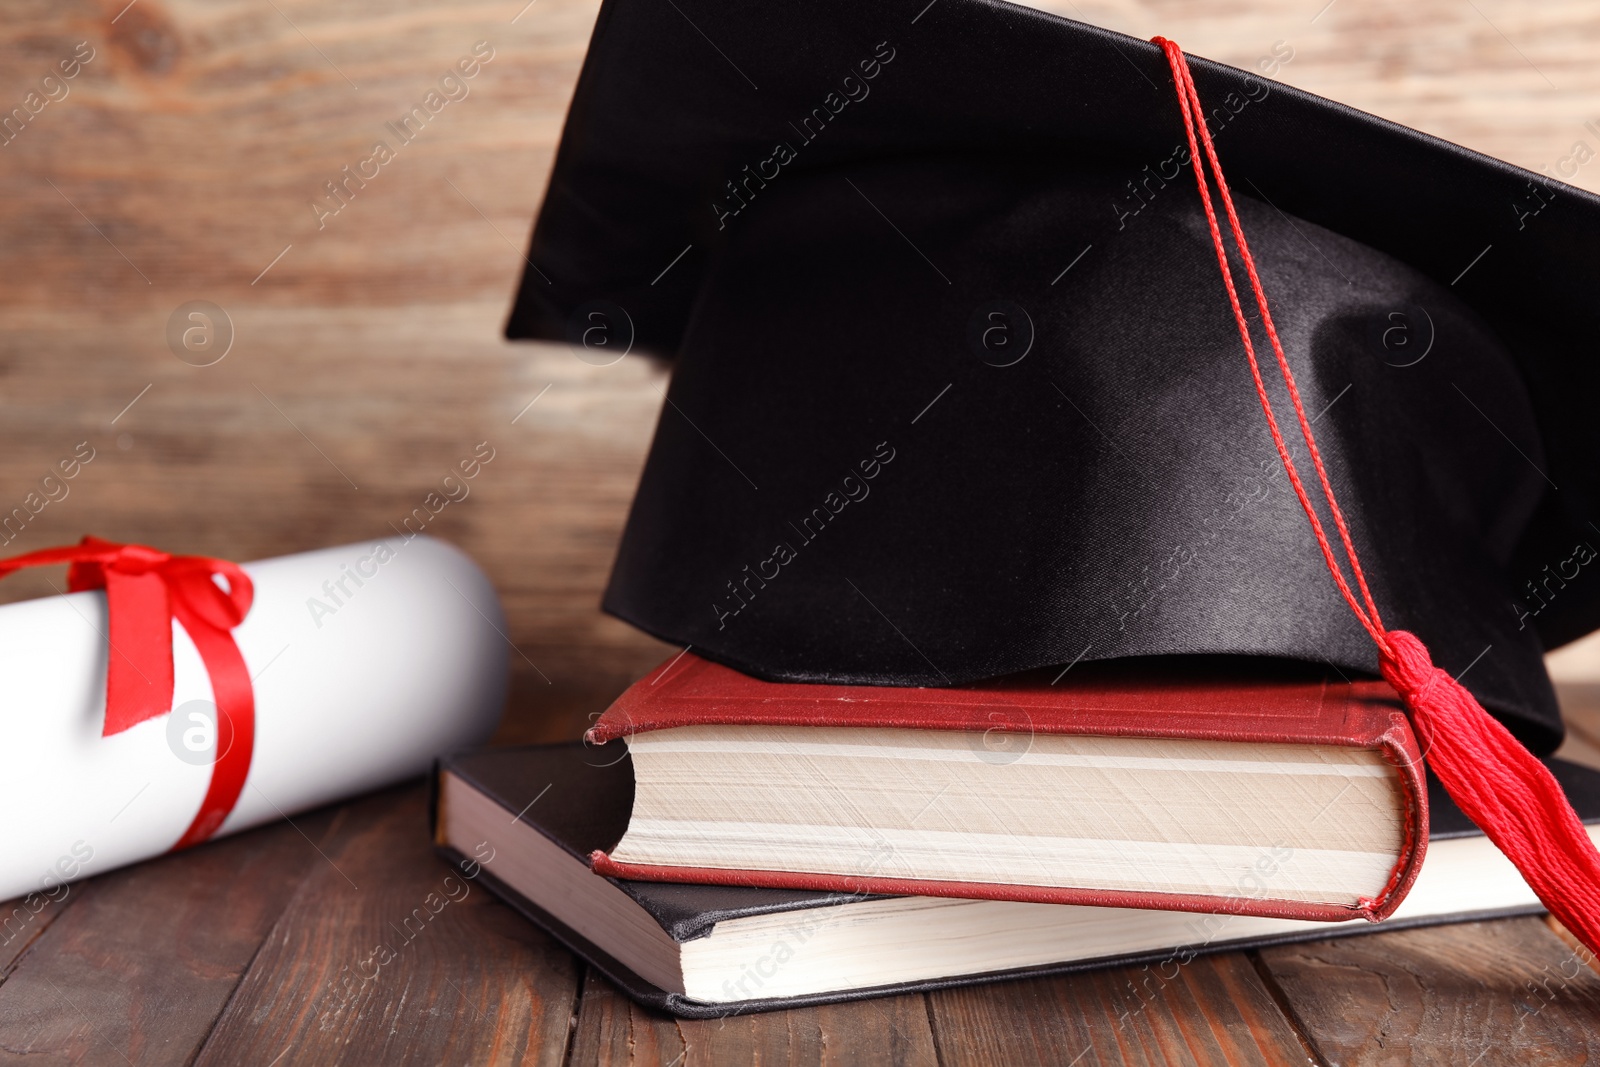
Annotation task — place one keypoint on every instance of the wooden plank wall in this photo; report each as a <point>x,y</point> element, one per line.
<point>182,163</point>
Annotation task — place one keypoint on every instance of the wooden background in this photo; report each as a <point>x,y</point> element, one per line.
<point>366,360</point>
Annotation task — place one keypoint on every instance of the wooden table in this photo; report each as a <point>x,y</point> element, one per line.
<point>365,360</point>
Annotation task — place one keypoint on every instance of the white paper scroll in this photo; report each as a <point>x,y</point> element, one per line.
<point>368,661</point>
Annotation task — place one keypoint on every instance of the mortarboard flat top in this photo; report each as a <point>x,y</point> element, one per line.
<point>958,392</point>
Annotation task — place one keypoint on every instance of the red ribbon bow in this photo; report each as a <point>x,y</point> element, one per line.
<point>145,590</point>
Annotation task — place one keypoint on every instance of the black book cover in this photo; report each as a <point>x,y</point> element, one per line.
<point>581,797</point>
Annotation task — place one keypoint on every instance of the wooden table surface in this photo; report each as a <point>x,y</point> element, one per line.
<point>181,164</point>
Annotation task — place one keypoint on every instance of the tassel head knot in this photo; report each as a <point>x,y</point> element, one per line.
<point>1406,665</point>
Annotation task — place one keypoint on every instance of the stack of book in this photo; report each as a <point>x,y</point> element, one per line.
<point>722,844</point>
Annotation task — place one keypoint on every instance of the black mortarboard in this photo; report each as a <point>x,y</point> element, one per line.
<point>959,393</point>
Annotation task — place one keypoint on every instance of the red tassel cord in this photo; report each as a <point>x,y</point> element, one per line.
<point>1497,782</point>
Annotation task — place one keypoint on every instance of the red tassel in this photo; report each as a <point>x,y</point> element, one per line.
<point>1501,787</point>
<point>1493,779</point>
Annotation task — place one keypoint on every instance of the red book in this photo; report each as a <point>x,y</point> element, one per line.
<point>1172,784</point>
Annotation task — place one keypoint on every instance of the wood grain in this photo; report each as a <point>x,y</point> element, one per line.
<point>1511,79</point>
<point>613,1031</point>
<point>1507,992</point>
<point>143,963</point>
<point>254,454</point>
<point>1576,947</point>
<point>23,920</point>
<point>190,149</point>
<point>183,165</point>
<point>1212,1010</point>
<point>386,955</point>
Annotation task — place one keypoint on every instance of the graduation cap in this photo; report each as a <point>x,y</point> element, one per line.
<point>958,392</point>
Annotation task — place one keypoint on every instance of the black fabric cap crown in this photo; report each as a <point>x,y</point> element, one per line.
<point>958,390</point>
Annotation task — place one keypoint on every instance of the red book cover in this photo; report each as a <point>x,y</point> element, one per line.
<point>1153,701</point>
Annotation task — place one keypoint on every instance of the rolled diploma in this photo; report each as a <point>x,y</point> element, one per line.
<point>358,693</point>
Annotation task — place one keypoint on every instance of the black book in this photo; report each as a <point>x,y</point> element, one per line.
<point>525,820</point>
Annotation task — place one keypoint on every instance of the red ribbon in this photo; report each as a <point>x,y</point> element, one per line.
<point>145,590</point>
<point>1494,780</point>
